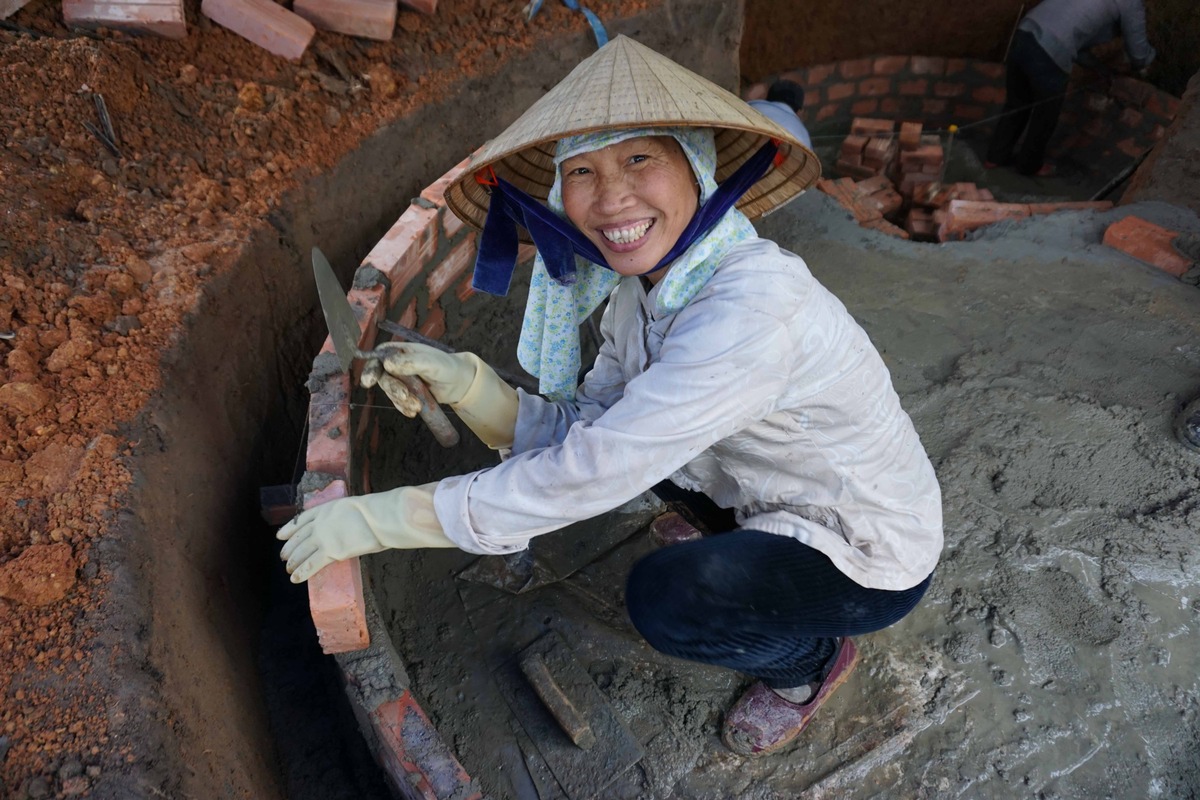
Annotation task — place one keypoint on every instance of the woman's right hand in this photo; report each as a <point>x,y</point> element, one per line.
<point>448,375</point>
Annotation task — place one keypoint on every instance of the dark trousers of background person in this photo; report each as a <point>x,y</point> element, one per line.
<point>759,603</point>
<point>1034,97</point>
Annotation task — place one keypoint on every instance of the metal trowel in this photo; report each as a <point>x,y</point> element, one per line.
<point>344,331</point>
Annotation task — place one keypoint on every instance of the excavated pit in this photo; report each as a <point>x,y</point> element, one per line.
<point>1055,654</point>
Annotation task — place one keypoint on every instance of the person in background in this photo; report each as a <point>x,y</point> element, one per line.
<point>726,368</point>
<point>1051,37</point>
<point>783,104</point>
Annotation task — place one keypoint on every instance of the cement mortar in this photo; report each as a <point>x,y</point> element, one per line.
<point>1056,653</point>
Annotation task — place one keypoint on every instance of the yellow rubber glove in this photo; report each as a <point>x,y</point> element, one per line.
<point>355,526</point>
<point>463,381</point>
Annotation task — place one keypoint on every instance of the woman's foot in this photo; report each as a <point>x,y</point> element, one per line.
<point>762,721</point>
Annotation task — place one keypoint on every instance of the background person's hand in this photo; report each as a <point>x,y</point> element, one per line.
<point>401,518</point>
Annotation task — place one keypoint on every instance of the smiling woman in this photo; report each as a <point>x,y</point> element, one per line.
<point>728,379</point>
<point>632,199</point>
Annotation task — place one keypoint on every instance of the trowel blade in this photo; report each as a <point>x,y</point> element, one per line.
<point>339,316</point>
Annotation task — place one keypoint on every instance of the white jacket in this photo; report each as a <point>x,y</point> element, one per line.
<point>763,393</point>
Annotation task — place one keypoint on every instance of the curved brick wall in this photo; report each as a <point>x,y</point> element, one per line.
<point>1102,125</point>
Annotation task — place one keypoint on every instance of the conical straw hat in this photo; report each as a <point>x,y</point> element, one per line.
<point>627,85</point>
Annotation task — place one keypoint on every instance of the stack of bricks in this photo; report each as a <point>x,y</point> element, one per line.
<point>869,150</point>
<point>871,201</point>
<point>928,197</point>
<point>921,158</point>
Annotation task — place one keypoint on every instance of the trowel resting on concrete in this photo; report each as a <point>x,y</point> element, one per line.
<point>344,331</point>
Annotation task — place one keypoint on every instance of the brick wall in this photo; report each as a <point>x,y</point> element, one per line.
<point>1102,125</point>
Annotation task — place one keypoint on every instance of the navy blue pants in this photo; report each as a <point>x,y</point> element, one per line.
<point>756,602</point>
<point>1034,89</point>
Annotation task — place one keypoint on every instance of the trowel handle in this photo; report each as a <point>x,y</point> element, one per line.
<point>431,412</point>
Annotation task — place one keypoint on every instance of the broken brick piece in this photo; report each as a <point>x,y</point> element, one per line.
<point>371,19</point>
<point>270,26</point>
<point>1147,242</point>
<point>162,17</point>
<point>919,224</point>
<point>878,183</point>
<point>1083,205</point>
<point>967,215</point>
<point>883,226</point>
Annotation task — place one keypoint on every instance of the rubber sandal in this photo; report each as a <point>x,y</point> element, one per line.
<point>671,528</point>
<point>762,722</point>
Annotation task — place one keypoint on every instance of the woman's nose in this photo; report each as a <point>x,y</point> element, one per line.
<point>613,194</point>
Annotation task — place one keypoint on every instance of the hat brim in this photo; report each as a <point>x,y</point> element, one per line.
<point>652,92</point>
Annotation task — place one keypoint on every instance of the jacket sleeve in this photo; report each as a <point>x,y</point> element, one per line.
<point>1133,30</point>
<point>721,368</point>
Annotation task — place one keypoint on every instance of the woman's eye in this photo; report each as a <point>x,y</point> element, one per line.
<point>579,171</point>
<point>637,159</point>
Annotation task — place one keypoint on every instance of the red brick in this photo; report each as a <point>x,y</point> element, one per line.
<point>828,111</point>
<point>436,192</point>
<point>371,19</point>
<point>883,226</point>
<point>878,183</point>
<point>1147,242</point>
<point>406,249</point>
<point>756,91</point>
<point>335,601</point>
<point>1097,127</point>
<point>1050,208</point>
<point>423,6</point>
<point>989,94</point>
<point>819,74</point>
<point>931,106</point>
<point>970,112</point>
<point>267,24</point>
<point>912,88</point>
<point>465,291</point>
<point>409,318</point>
<point>1131,118</point>
<point>1130,147</point>
<point>840,91</point>
<point>1157,133</point>
<point>925,65</point>
<point>853,170</point>
<point>955,65</point>
<point>925,154</point>
<point>875,87</point>
<point>369,306</point>
<point>949,89</point>
<point>1096,102</point>
<point>451,224</point>
<point>868,106</point>
<point>967,215</point>
<point>434,324</point>
<point>853,144</point>
<point>811,96</point>
<point>910,135</point>
<point>329,427</point>
<point>415,755</point>
<point>889,65</point>
<point>919,223</point>
<point>162,17</point>
<point>857,68</point>
<point>880,149</point>
<point>889,105</point>
<point>990,69</point>
<point>865,126</point>
<point>456,262</point>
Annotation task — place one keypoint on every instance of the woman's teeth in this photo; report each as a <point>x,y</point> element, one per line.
<point>627,235</point>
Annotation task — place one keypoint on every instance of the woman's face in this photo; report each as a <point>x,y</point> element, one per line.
<point>632,200</point>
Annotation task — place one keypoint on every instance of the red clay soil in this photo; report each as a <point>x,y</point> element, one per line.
<point>103,256</point>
